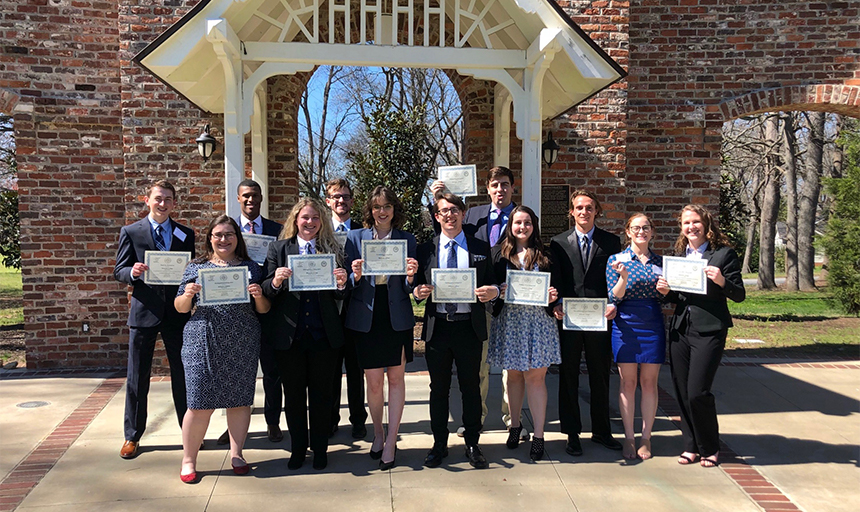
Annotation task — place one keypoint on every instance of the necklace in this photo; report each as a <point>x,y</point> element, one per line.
<point>221,263</point>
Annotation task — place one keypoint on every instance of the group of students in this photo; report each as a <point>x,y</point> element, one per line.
<point>302,339</point>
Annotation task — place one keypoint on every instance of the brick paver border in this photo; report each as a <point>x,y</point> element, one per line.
<point>30,471</point>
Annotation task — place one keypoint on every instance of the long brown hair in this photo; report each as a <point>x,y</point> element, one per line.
<point>383,195</point>
<point>326,241</point>
<point>209,250</point>
<point>715,237</point>
<point>535,252</point>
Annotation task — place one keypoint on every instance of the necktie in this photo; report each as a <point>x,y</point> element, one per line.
<point>496,230</point>
<point>159,240</point>
<point>585,245</point>
<point>309,249</point>
<point>341,228</point>
<point>450,307</point>
<point>251,228</point>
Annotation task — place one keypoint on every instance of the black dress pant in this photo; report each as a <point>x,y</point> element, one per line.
<point>141,347</point>
<point>306,372</point>
<point>346,357</point>
<point>454,342</point>
<point>598,359</point>
<point>272,385</point>
<point>694,359</point>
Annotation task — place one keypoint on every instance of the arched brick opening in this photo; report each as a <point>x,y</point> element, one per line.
<point>835,98</point>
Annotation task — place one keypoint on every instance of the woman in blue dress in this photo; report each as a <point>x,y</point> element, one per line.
<point>638,333</point>
<point>220,348</point>
<point>524,339</point>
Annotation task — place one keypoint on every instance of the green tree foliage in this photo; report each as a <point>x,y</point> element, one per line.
<point>843,228</point>
<point>733,213</point>
<point>397,156</point>
<point>10,248</point>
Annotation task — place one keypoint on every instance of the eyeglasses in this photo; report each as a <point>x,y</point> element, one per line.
<point>223,236</point>
<point>383,207</point>
<point>452,210</point>
<point>340,197</point>
<point>644,229</point>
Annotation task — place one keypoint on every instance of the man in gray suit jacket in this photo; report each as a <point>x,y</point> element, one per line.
<point>152,311</point>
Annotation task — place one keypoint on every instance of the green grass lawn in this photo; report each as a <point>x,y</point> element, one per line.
<point>11,308</point>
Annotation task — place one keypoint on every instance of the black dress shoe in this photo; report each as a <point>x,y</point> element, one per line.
<point>320,460</point>
<point>334,429</point>
<point>607,441</point>
<point>273,432</point>
<point>359,431</point>
<point>434,457</point>
<point>574,447</point>
<point>385,466</point>
<point>476,458</point>
<point>297,459</point>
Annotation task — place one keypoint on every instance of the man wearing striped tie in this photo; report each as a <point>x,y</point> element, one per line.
<point>152,311</point>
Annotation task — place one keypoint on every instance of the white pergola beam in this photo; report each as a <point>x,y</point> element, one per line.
<point>389,56</point>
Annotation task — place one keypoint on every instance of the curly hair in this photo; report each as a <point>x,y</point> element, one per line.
<point>326,241</point>
<point>383,195</point>
<point>715,237</point>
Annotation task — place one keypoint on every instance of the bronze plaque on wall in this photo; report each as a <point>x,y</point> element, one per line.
<point>554,211</point>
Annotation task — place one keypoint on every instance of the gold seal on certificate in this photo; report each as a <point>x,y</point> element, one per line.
<point>584,314</point>
<point>258,246</point>
<point>383,257</point>
<point>453,284</point>
<point>165,267</point>
<point>527,288</point>
<point>460,180</point>
<point>312,272</point>
<point>223,285</point>
<point>685,274</point>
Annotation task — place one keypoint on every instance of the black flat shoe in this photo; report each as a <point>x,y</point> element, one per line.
<point>359,431</point>
<point>607,441</point>
<point>434,457</point>
<point>536,452</point>
<point>514,437</point>
<point>320,461</point>
<point>574,447</point>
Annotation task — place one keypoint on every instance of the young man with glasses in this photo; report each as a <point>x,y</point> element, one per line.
<point>152,310</point>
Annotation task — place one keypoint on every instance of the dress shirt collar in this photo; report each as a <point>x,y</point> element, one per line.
<point>696,253</point>
<point>258,224</point>
<point>375,235</point>
<point>303,243</point>
<point>460,239</point>
<point>580,234</point>
<point>336,223</point>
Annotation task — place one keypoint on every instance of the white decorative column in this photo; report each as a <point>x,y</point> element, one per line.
<point>502,103</point>
<point>259,145</point>
<point>226,45</point>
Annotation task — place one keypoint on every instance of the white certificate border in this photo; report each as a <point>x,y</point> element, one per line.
<point>471,192</point>
<point>522,302</point>
<point>243,270</point>
<point>399,271</point>
<point>148,254</point>
<point>573,327</point>
<point>328,257</point>
<point>258,236</point>
<point>667,262</point>
<point>471,272</point>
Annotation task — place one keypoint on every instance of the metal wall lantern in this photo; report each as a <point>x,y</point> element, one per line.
<point>550,150</point>
<point>206,144</point>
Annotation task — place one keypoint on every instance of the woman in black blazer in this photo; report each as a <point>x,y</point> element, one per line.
<point>697,335</point>
<point>381,319</point>
<point>305,329</point>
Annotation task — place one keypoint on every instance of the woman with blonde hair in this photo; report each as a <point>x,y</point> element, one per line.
<point>306,330</point>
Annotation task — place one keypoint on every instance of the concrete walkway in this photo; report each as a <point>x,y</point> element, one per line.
<point>795,433</point>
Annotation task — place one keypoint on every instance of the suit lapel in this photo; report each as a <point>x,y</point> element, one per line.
<point>145,232</point>
<point>573,252</point>
<point>291,248</point>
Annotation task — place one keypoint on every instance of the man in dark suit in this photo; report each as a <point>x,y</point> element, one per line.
<point>487,223</point>
<point>454,332</point>
<point>152,311</point>
<point>579,258</point>
<point>339,199</point>
<point>249,194</point>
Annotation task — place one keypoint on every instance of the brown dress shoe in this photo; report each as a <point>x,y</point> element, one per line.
<point>128,450</point>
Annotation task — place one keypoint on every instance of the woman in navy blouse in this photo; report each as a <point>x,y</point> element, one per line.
<point>638,333</point>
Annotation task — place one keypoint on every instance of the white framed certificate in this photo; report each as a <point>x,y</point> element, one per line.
<point>383,257</point>
<point>165,267</point>
<point>312,272</point>
<point>223,285</point>
<point>460,180</point>
<point>584,314</point>
<point>453,284</point>
<point>685,274</point>
<point>258,246</point>
<point>527,288</point>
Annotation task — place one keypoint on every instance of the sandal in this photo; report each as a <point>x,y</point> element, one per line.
<point>514,437</point>
<point>644,449</point>
<point>629,449</point>
<point>687,458</point>
<point>711,461</point>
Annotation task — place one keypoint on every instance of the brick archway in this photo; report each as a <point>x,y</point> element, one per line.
<point>8,101</point>
<point>839,99</point>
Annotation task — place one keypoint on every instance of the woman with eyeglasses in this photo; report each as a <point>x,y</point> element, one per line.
<point>638,333</point>
<point>381,318</point>
<point>305,328</point>
<point>220,348</point>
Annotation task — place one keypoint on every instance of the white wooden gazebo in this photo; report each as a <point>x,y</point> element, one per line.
<point>220,54</point>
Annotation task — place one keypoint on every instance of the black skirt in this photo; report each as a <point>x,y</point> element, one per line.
<point>382,345</point>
